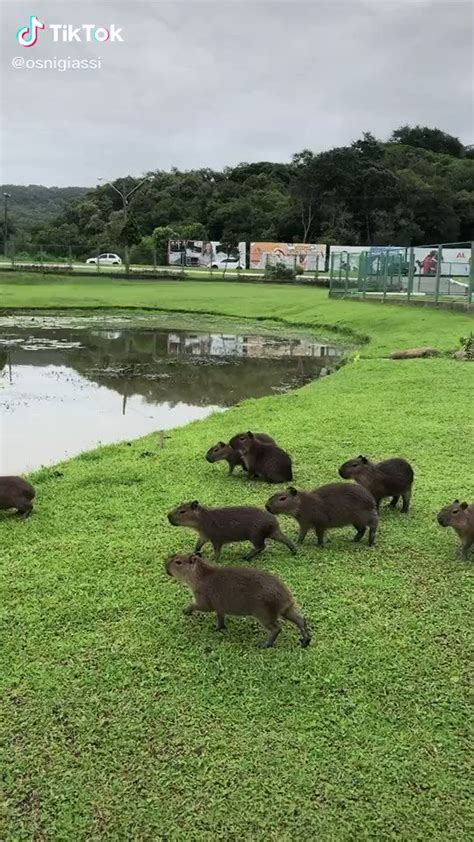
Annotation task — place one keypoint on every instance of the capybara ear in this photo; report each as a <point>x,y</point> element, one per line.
<point>194,558</point>
<point>221,443</point>
<point>250,435</point>
<point>194,504</point>
<point>455,501</point>
<point>364,459</point>
<point>292,491</point>
<point>464,505</point>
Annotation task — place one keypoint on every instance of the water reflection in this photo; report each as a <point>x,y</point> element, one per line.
<point>67,387</point>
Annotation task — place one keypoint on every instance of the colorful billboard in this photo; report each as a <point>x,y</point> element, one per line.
<point>210,254</point>
<point>308,256</point>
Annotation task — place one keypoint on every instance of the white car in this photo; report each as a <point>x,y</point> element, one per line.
<point>226,263</point>
<point>107,259</point>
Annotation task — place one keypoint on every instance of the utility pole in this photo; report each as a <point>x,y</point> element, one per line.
<point>126,199</point>
<point>6,197</point>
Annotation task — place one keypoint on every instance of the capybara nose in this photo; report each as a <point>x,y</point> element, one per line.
<point>268,508</point>
<point>170,518</point>
<point>208,457</point>
<point>340,473</point>
<point>441,520</point>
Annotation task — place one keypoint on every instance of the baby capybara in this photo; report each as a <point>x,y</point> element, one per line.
<point>328,507</point>
<point>229,524</point>
<point>461,517</point>
<point>16,493</point>
<point>229,452</point>
<point>239,591</point>
<point>265,460</point>
<point>390,478</point>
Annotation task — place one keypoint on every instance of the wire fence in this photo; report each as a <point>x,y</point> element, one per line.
<point>421,272</point>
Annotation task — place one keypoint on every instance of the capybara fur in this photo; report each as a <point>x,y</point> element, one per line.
<point>328,507</point>
<point>461,517</point>
<point>414,353</point>
<point>229,524</point>
<point>230,452</point>
<point>16,493</point>
<point>265,460</point>
<point>390,478</point>
<point>238,591</point>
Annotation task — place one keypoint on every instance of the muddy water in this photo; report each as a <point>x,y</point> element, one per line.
<point>69,383</point>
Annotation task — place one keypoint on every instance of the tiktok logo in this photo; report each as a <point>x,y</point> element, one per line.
<point>27,36</point>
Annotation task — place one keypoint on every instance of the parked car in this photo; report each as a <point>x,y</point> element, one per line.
<point>226,263</point>
<point>107,259</point>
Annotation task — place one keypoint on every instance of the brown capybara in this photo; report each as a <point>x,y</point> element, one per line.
<point>390,478</point>
<point>229,452</point>
<point>328,507</point>
<point>239,591</point>
<point>221,451</point>
<point>226,525</point>
<point>17,493</point>
<point>265,460</point>
<point>461,517</point>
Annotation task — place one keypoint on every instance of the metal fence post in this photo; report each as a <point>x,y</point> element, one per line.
<point>471,275</point>
<point>70,257</point>
<point>438,273</point>
<point>98,261</point>
<point>384,275</point>
<point>154,258</point>
<point>363,263</point>
<point>346,280</point>
<point>411,271</point>
<point>41,259</point>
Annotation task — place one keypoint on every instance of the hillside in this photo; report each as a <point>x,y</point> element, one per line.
<point>34,204</point>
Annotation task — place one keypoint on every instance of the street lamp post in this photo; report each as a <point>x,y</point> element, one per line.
<point>6,197</point>
<point>126,197</point>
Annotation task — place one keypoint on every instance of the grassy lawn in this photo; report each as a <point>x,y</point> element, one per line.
<point>124,719</point>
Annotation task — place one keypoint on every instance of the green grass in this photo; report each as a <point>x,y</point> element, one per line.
<point>126,720</point>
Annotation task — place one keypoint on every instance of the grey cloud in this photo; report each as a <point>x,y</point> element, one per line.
<point>214,83</point>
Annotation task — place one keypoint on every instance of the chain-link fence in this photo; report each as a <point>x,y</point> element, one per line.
<point>431,273</point>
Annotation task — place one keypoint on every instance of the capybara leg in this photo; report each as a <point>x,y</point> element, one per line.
<point>217,551</point>
<point>360,532</point>
<point>303,532</point>
<point>320,535</point>
<point>190,608</point>
<point>24,510</point>
<point>274,629</point>
<point>372,534</point>
<point>283,539</point>
<point>406,500</point>
<point>465,549</point>
<point>220,625</point>
<point>231,469</point>
<point>394,501</point>
<point>292,615</point>
<point>199,544</point>
<point>257,549</point>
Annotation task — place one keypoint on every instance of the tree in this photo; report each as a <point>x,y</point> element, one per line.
<point>423,137</point>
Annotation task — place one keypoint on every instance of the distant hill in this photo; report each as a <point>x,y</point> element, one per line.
<point>34,204</point>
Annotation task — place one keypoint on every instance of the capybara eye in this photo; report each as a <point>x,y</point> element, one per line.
<point>182,511</point>
<point>178,564</point>
<point>282,499</point>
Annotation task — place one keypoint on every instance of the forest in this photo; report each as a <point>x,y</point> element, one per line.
<point>415,188</point>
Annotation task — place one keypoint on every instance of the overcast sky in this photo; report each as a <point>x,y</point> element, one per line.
<point>205,84</point>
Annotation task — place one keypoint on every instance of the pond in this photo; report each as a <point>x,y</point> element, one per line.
<point>71,382</point>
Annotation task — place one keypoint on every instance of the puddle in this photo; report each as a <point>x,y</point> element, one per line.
<point>71,382</point>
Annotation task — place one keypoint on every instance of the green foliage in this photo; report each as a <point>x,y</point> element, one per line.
<point>434,140</point>
<point>123,719</point>
<point>366,193</point>
<point>280,272</point>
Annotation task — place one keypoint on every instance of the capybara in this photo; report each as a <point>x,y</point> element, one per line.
<point>221,451</point>
<point>265,460</point>
<point>328,507</point>
<point>461,517</point>
<point>230,452</point>
<point>239,591</point>
<point>16,493</point>
<point>226,525</point>
<point>390,478</point>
